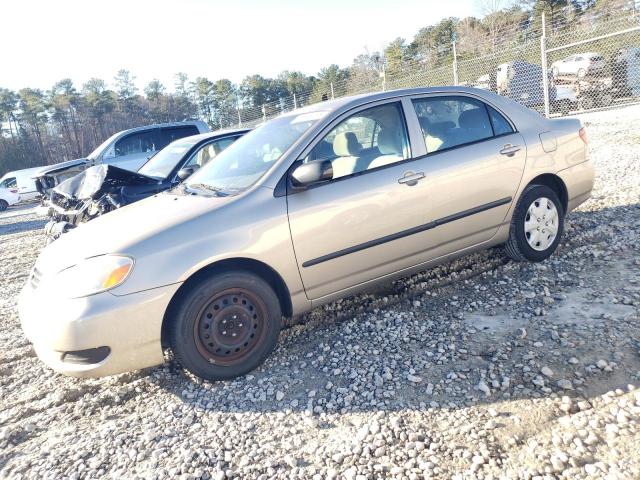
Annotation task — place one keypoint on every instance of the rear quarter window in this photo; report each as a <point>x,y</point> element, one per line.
<point>500,124</point>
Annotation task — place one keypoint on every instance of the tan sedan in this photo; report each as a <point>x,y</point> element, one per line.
<point>312,206</point>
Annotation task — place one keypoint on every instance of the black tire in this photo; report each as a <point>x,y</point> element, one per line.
<point>3,205</point>
<point>225,325</point>
<point>517,246</point>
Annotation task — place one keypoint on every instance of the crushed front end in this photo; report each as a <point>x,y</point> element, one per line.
<point>94,192</point>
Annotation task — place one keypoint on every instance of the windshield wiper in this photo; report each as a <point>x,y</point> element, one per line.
<point>208,188</point>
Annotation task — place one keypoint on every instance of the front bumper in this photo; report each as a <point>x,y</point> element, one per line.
<point>129,325</point>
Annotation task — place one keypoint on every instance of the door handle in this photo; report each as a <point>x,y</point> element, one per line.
<point>510,150</point>
<point>411,178</point>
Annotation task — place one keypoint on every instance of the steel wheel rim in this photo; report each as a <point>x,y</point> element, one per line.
<point>230,326</point>
<point>541,224</point>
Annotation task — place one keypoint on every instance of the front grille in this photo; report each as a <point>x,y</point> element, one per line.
<point>35,278</point>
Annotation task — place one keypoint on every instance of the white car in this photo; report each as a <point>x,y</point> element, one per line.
<point>22,181</point>
<point>8,197</point>
<point>579,65</point>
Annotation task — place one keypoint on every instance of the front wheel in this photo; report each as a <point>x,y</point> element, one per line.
<point>226,325</point>
<point>536,226</point>
<point>3,205</point>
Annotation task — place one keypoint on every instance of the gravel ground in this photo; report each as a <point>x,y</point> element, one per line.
<point>481,368</point>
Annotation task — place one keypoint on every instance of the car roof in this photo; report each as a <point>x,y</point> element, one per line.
<point>163,125</point>
<point>345,103</point>
<point>195,139</point>
<point>217,133</point>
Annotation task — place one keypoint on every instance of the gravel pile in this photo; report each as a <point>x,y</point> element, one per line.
<point>481,368</point>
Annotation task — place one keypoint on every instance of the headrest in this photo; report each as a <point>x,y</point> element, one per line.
<point>474,118</point>
<point>389,142</point>
<point>346,145</point>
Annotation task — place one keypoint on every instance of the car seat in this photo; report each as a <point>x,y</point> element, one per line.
<point>347,149</point>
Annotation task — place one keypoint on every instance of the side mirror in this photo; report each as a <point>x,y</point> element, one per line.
<point>185,173</point>
<point>313,172</point>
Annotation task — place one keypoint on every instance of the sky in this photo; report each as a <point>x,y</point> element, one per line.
<point>47,40</point>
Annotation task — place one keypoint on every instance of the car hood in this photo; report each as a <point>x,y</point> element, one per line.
<point>127,229</point>
<point>60,167</point>
<point>94,180</point>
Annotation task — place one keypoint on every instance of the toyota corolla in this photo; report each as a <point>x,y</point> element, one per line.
<point>312,206</point>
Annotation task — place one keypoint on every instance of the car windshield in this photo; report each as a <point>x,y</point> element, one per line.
<point>243,163</point>
<point>163,162</point>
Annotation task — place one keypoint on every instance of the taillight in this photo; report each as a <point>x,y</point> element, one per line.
<point>583,135</point>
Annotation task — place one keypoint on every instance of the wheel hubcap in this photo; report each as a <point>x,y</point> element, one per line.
<point>230,326</point>
<point>541,224</point>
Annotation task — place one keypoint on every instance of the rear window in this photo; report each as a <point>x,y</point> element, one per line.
<point>448,122</point>
<point>500,124</point>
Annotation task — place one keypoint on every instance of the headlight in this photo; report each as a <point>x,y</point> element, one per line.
<point>93,275</point>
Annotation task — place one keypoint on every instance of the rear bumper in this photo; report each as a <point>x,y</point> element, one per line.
<point>70,335</point>
<point>579,181</point>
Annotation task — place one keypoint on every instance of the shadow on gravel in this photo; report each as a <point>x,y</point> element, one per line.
<point>19,225</point>
<point>417,344</point>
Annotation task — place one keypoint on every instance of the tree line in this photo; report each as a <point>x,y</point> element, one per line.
<point>40,127</point>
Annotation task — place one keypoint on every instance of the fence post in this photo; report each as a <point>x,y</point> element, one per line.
<point>543,61</point>
<point>383,75</point>
<point>264,114</point>
<point>332,95</point>
<point>238,110</point>
<point>295,103</point>
<point>455,64</point>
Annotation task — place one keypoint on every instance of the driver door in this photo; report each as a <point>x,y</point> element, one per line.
<point>372,218</point>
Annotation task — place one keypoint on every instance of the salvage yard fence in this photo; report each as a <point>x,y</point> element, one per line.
<point>589,63</point>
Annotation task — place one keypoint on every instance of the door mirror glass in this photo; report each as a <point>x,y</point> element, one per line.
<point>309,173</point>
<point>186,172</point>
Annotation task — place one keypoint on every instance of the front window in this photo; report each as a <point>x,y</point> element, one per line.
<point>208,152</point>
<point>248,159</point>
<point>369,139</point>
<point>143,142</point>
<point>100,148</point>
<point>162,163</point>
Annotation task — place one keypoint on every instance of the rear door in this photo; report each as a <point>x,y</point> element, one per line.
<point>476,159</point>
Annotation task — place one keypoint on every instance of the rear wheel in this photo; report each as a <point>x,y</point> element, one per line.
<point>536,226</point>
<point>582,73</point>
<point>226,325</point>
<point>3,205</point>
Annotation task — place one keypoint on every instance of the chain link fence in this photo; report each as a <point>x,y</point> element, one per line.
<point>559,67</point>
